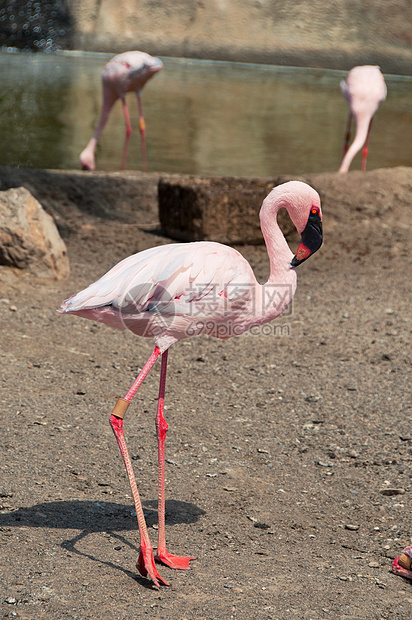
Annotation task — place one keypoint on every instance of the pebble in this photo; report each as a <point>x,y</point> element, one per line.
<point>373,564</point>
<point>312,398</point>
<point>352,528</point>
<point>261,526</point>
<point>307,427</point>
<point>11,600</point>
<point>392,491</point>
<point>324,464</point>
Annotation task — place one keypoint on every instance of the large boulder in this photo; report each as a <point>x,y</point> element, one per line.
<point>29,238</point>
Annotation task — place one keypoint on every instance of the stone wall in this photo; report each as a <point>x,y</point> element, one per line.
<point>333,33</point>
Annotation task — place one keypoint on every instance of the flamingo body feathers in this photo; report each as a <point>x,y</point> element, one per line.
<point>178,290</point>
<point>129,72</point>
<point>170,292</point>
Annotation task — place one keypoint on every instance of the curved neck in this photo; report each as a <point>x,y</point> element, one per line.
<point>361,135</point>
<point>280,255</point>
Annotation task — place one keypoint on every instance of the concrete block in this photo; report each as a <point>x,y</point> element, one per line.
<point>224,209</point>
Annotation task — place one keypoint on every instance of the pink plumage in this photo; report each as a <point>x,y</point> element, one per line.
<point>403,565</point>
<point>364,90</point>
<point>179,290</point>
<point>124,73</point>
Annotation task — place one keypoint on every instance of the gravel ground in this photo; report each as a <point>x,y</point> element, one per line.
<point>289,453</point>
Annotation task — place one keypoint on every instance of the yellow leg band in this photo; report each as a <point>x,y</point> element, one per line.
<point>120,408</point>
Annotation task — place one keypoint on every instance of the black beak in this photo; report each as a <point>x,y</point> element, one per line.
<point>311,239</point>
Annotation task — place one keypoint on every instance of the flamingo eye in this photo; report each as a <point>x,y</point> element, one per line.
<point>314,211</point>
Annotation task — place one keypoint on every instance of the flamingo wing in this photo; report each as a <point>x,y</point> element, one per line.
<point>364,89</point>
<point>153,279</point>
<point>130,71</point>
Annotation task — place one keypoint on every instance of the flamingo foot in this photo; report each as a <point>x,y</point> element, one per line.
<point>402,565</point>
<point>174,561</point>
<point>146,567</point>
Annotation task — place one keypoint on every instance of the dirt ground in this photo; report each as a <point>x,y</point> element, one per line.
<point>289,453</point>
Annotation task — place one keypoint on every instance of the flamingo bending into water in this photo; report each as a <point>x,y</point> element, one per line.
<point>124,73</point>
<point>364,89</point>
<point>179,290</point>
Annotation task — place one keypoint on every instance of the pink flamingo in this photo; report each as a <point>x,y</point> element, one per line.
<point>123,73</point>
<point>364,89</point>
<point>179,290</point>
<point>403,565</point>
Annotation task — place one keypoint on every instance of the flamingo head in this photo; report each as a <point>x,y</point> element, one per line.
<point>310,237</point>
<point>302,202</point>
<point>153,65</point>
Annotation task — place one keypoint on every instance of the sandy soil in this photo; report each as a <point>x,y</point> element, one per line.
<point>289,453</point>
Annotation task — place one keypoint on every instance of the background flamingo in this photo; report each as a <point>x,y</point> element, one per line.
<point>403,565</point>
<point>123,73</point>
<point>180,290</point>
<point>364,89</point>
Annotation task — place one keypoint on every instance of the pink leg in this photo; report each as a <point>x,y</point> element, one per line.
<point>162,555</point>
<point>145,563</point>
<point>142,128</point>
<point>365,148</point>
<point>347,134</point>
<point>128,132</point>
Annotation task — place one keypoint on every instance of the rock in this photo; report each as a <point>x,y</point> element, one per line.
<point>390,492</point>
<point>312,398</point>
<point>224,209</point>
<point>261,526</point>
<point>29,238</point>
<point>324,464</point>
<point>351,527</point>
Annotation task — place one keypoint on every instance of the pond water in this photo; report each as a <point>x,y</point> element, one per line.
<point>204,118</point>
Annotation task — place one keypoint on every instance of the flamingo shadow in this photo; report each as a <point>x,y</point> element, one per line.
<point>92,517</point>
